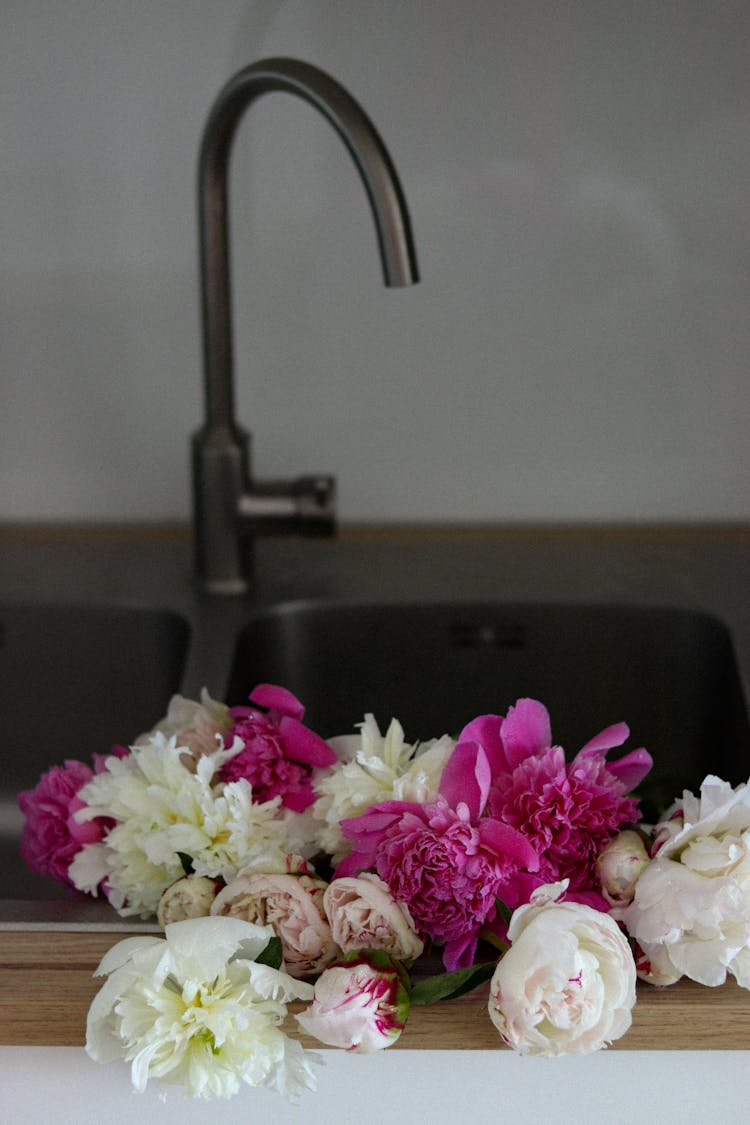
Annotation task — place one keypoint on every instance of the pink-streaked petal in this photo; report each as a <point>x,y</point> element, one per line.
<point>466,779</point>
<point>275,698</point>
<point>486,730</point>
<point>631,769</point>
<point>606,739</point>
<point>526,731</point>
<point>303,745</point>
<point>508,843</point>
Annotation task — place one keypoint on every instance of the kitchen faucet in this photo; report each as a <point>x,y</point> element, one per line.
<point>230,508</point>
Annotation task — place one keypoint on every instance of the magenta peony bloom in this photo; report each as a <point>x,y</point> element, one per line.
<point>445,860</point>
<point>567,810</point>
<point>51,838</point>
<point>280,754</point>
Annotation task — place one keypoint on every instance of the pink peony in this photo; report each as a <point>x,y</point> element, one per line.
<point>446,861</point>
<point>280,754</point>
<point>51,837</point>
<point>568,810</point>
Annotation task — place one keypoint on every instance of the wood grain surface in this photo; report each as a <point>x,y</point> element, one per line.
<point>47,984</point>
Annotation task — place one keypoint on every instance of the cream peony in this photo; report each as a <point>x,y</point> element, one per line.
<point>691,910</point>
<point>161,809</point>
<point>195,1009</point>
<point>374,768</point>
<point>364,915</point>
<point>567,983</point>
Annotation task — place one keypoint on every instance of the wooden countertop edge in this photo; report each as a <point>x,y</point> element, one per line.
<point>113,534</point>
<point>47,985</point>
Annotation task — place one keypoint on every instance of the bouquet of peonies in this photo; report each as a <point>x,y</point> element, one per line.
<point>283,866</point>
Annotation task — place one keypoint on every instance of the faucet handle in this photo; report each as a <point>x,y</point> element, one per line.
<point>304,506</point>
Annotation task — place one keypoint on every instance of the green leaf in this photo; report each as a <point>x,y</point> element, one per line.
<point>187,862</point>
<point>504,911</point>
<point>272,954</point>
<point>447,986</point>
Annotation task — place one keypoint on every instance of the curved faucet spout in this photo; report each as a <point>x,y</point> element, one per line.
<point>223,493</point>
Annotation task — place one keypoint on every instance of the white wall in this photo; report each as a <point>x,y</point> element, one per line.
<point>579,179</point>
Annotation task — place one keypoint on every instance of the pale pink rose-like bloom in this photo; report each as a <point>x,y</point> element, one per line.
<point>293,905</point>
<point>360,1004</point>
<point>619,866</point>
<point>189,897</point>
<point>363,914</point>
<point>567,983</point>
<point>199,728</point>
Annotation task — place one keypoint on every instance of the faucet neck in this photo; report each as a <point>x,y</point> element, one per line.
<point>373,163</point>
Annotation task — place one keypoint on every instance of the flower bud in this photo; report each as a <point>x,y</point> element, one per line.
<point>360,1004</point>
<point>188,897</point>
<point>619,866</point>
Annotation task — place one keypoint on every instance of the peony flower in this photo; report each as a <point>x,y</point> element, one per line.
<point>292,904</point>
<point>198,728</point>
<point>188,897</point>
<point>360,1004</point>
<point>363,914</point>
<point>619,866</point>
<point>194,1008</point>
<point>374,768</point>
<point>446,861</point>
<point>51,837</point>
<point>691,911</point>
<point>567,983</point>
<point>567,810</point>
<point>162,809</point>
<point>280,755</point>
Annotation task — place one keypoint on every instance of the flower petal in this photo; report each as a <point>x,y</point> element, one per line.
<point>275,698</point>
<point>526,731</point>
<point>631,769</point>
<point>466,778</point>
<point>486,730</point>
<point>202,946</point>
<point>606,739</point>
<point>302,744</point>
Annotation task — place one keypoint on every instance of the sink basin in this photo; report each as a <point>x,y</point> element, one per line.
<point>669,673</point>
<point>74,680</point>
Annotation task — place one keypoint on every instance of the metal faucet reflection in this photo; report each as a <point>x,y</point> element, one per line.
<point>230,508</point>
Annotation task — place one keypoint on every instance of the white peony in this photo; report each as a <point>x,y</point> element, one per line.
<point>691,910</point>
<point>567,983</point>
<point>161,809</point>
<point>374,768</point>
<point>195,1009</point>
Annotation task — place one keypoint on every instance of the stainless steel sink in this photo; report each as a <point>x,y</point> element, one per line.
<point>670,674</point>
<point>74,680</point>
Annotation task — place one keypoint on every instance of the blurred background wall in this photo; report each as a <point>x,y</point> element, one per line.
<point>579,179</point>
